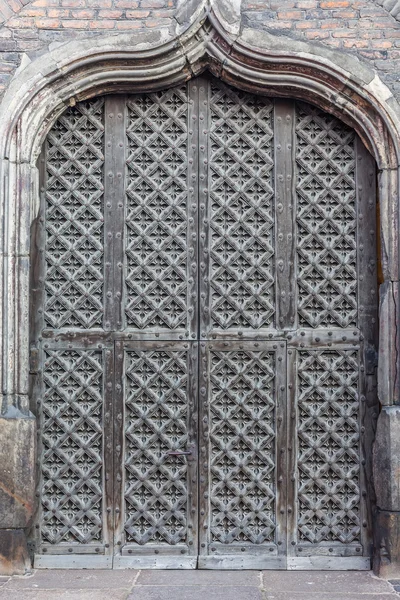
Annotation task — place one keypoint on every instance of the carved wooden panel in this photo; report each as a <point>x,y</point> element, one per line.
<point>242,425</point>
<point>160,419</point>
<point>242,439</point>
<point>326,220</point>
<point>74,218</point>
<point>156,243</point>
<point>72,447</point>
<point>328,461</point>
<point>240,213</point>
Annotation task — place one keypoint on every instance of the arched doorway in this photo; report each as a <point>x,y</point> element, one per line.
<point>204,314</point>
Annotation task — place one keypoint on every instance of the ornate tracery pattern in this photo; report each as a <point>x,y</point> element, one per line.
<point>156,217</point>
<point>74,218</point>
<point>326,220</point>
<point>241,210</point>
<point>168,234</point>
<point>242,446</point>
<point>72,438</point>
<point>328,446</point>
<point>155,423</point>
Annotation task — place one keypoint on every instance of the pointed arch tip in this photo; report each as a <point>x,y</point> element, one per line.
<point>255,60</point>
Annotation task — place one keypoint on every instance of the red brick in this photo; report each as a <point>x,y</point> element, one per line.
<point>368,34</point>
<point>110,14</point>
<point>345,14</point>
<point>331,24</point>
<point>103,24</point>
<point>45,3</point>
<point>373,12</point>
<point>277,5</point>
<point>129,25</point>
<point>21,22</point>
<point>33,11</point>
<point>391,33</point>
<point>305,25</point>
<point>62,13</point>
<point>382,44</point>
<point>15,5</point>
<point>82,14</point>
<point>75,24</point>
<point>333,43</point>
<point>345,33</point>
<point>162,14</point>
<point>355,44</point>
<point>307,4</point>
<point>335,4</point>
<point>48,23</point>
<point>73,3</point>
<point>291,14</point>
<point>99,3</point>
<point>152,4</point>
<point>125,4</point>
<point>365,24</point>
<point>137,14</point>
<point>317,34</point>
<point>281,25</point>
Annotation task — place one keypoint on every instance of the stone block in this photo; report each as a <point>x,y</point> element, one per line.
<point>386,459</point>
<point>14,557</point>
<point>17,471</point>
<point>386,561</point>
<point>388,385</point>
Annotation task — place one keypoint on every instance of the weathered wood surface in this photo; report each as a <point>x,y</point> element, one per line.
<point>209,287</point>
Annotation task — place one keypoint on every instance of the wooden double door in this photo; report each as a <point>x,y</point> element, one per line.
<point>203,334</point>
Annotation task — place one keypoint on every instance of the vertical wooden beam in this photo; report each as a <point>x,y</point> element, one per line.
<point>204,209</point>
<point>114,206</point>
<point>193,209</point>
<point>285,211</point>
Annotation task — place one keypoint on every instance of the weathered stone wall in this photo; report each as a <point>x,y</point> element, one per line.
<point>360,27</point>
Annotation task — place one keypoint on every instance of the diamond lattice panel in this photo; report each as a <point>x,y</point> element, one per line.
<point>241,210</point>
<point>242,431</point>
<point>72,439</point>
<point>328,447</point>
<point>156,416</point>
<point>156,219</point>
<point>74,218</point>
<point>326,220</point>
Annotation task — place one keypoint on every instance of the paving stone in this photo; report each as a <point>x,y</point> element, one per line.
<point>322,581</point>
<point>396,584</point>
<point>74,579</point>
<point>329,596</point>
<point>116,594</point>
<point>194,592</point>
<point>237,578</point>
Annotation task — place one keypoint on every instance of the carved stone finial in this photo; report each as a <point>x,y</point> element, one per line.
<point>227,12</point>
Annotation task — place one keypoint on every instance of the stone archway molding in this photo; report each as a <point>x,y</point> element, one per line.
<point>255,61</point>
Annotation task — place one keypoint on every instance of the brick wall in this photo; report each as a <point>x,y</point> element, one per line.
<point>358,27</point>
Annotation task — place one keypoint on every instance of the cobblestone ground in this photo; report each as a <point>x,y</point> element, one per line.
<point>197,585</point>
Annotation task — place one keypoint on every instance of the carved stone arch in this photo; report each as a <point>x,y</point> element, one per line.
<point>254,61</point>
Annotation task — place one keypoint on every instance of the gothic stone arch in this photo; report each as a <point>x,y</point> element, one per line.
<point>253,61</point>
